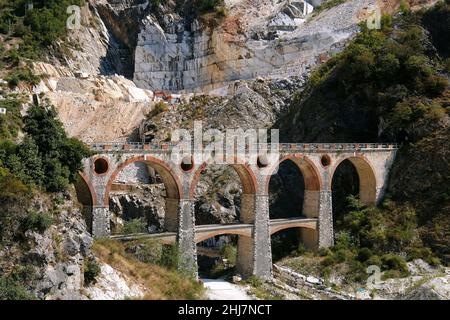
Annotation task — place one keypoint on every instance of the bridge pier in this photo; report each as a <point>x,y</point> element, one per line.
<point>186,238</point>
<point>261,238</point>
<point>101,222</point>
<point>326,233</point>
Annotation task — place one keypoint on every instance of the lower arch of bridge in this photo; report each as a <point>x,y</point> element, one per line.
<point>171,184</point>
<point>244,252</point>
<point>284,241</point>
<point>86,196</point>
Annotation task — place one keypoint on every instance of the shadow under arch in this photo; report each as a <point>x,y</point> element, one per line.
<point>366,177</point>
<point>311,179</point>
<point>87,197</point>
<point>171,183</point>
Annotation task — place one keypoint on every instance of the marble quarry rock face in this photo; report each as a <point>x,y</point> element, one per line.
<point>267,39</point>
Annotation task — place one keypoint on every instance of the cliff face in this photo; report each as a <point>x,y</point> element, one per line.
<point>246,40</point>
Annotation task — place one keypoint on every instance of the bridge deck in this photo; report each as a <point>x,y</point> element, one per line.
<point>204,232</point>
<point>115,147</point>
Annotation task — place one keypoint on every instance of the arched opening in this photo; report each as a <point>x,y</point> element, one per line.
<point>293,194</point>
<point>85,195</point>
<point>143,197</point>
<point>225,254</point>
<point>352,177</point>
<point>286,191</point>
<point>217,256</point>
<point>224,196</point>
<point>292,241</point>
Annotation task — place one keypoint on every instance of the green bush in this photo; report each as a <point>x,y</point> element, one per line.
<point>159,107</point>
<point>229,252</point>
<point>425,254</point>
<point>170,257</point>
<point>204,6</point>
<point>91,271</point>
<point>149,252</point>
<point>22,75</point>
<point>393,262</point>
<point>374,261</point>
<point>447,65</point>
<point>364,254</point>
<point>134,226</point>
<point>40,28</point>
<point>11,289</point>
<point>37,221</point>
<point>11,122</point>
<point>325,5</point>
<point>61,156</point>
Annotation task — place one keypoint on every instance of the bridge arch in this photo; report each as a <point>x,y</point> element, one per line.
<point>244,250</point>
<point>307,167</point>
<point>300,181</point>
<point>202,236</point>
<point>298,225</point>
<point>312,182</point>
<point>87,196</point>
<point>249,189</point>
<point>246,176</point>
<point>366,174</point>
<point>171,182</point>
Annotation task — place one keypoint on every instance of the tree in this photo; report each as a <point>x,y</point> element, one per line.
<point>60,156</point>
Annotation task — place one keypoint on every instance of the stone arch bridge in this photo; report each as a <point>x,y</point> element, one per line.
<point>317,163</point>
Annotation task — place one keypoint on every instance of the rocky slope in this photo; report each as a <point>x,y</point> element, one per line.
<point>94,107</point>
<point>54,263</point>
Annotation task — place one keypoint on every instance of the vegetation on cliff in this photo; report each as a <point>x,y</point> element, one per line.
<point>39,28</point>
<point>45,160</point>
<point>388,79</point>
<point>387,85</point>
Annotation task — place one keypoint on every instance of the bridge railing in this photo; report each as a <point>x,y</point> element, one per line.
<point>282,147</point>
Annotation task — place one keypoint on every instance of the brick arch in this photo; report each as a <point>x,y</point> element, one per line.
<point>245,173</point>
<point>170,179</point>
<point>208,235</point>
<point>366,174</point>
<point>85,186</point>
<point>308,169</point>
<point>300,225</point>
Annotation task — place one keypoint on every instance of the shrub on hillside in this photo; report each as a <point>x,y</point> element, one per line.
<point>134,226</point>
<point>11,289</point>
<point>170,257</point>
<point>37,221</point>
<point>91,271</point>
